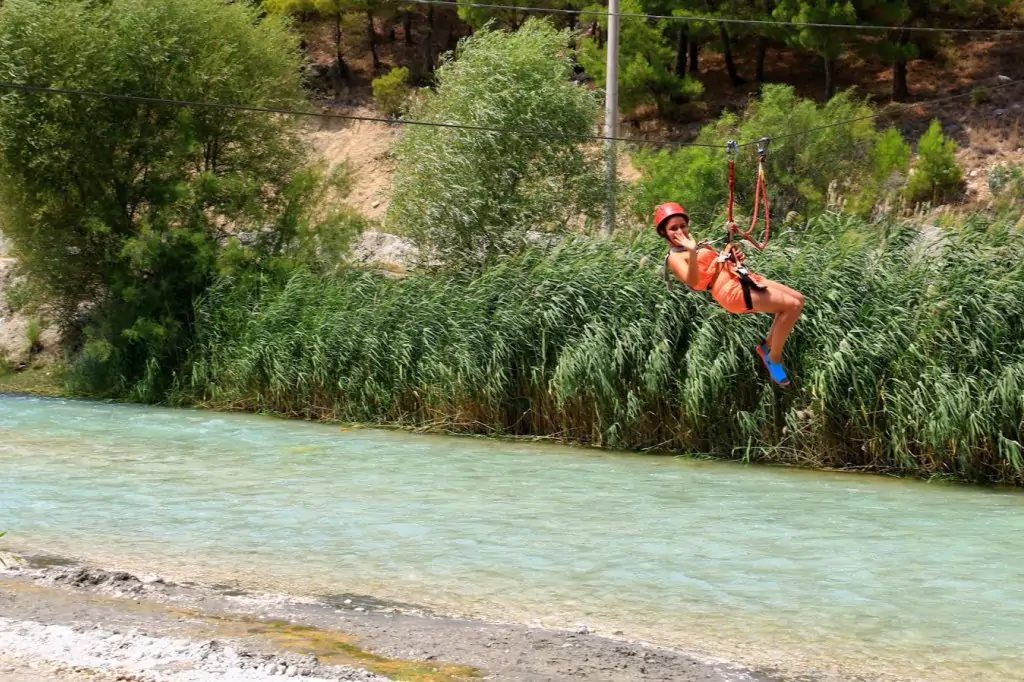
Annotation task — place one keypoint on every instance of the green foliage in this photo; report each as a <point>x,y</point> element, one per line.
<point>391,91</point>
<point>890,161</point>
<point>826,42</point>
<point>126,205</point>
<point>981,95</point>
<point>317,229</point>
<point>337,10</point>
<point>904,362</point>
<point>469,195</point>
<point>21,295</point>
<point>1007,181</point>
<point>32,332</point>
<point>645,60</point>
<point>936,175</point>
<point>890,155</point>
<point>479,17</point>
<point>800,167</point>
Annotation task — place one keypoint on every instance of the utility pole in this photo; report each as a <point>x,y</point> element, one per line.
<point>611,111</point>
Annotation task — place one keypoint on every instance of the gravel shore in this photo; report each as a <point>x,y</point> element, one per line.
<point>73,622</point>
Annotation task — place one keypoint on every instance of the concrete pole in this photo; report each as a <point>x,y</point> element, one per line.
<point>611,111</point>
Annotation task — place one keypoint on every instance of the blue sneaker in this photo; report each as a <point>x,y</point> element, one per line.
<point>775,369</point>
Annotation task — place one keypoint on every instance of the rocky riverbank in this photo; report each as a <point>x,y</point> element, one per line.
<point>71,622</point>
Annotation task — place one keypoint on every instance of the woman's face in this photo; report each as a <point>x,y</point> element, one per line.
<point>676,228</point>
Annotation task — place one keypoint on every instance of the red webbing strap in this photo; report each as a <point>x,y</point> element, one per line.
<point>732,183</point>
<point>760,197</point>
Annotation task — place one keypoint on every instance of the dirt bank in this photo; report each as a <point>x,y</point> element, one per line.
<point>75,622</point>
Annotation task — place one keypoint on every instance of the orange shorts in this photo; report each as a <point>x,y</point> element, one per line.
<point>728,291</point>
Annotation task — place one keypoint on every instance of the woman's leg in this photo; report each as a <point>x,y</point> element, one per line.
<point>786,304</point>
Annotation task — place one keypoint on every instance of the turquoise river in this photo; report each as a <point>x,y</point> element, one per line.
<point>857,576</point>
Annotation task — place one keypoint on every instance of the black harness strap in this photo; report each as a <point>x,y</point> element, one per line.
<point>747,283</point>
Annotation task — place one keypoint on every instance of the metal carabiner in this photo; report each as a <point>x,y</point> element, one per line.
<point>762,147</point>
<point>732,148</point>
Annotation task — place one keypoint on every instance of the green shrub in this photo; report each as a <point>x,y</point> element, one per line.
<point>21,295</point>
<point>32,332</point>
<point>800,167</point>
<point>1007,180</point>
<point>981,95</point>
<point>469,195</point>
<point>936,175</point>
<point>890,161</point>
<point>891,155</point>
<point>391,91</point>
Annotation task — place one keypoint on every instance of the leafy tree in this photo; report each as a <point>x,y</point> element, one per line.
<point>828,43</point>
<point>126,206</point>
<point>335,10</point>
<point>471,195</point>
<point>644,60</point>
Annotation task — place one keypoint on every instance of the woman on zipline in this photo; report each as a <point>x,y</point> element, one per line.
<point>730,283</point>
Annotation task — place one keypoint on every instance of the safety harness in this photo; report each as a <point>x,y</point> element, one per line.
<point>732,252</point>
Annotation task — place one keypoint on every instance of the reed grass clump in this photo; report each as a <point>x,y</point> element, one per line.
<point>909,357</point>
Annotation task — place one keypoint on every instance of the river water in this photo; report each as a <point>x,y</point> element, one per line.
<point>805,571</point>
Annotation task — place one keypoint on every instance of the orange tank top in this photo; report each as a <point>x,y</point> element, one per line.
<point>707,267</point>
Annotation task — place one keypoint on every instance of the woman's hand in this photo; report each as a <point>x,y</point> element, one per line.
<point>687,242</point>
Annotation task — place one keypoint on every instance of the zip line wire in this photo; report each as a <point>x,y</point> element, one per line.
<point>352,117</point>
<point>439,124</point>
<point>712,20</point>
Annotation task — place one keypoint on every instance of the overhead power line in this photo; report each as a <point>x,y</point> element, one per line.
<point>1005,83</point>
<point>724,20</point>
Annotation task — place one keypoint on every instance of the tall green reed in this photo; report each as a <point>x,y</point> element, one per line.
<point>909,356</point>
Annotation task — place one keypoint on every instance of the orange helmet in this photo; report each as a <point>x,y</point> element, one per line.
<point>665,211</point>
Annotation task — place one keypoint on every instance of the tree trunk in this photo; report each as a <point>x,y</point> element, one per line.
<point>762,51</point>
<point>341,75</point>
<point>828,77</point>
<point>407,27</point>
<point>694,56</point>
<point>428,44</point>
<point>371,35</point>
<point>681,40</point>
<point>900,89</point>
<point>730,65</point>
